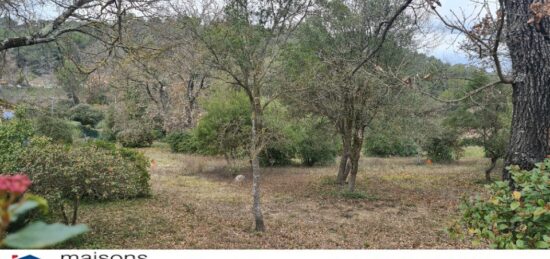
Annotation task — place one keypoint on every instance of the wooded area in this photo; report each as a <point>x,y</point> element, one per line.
<point>131,119</point>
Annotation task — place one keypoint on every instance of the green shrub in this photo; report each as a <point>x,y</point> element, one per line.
<point>138,164</point>
<point>62,107</point>
<point>275,156</point>
<point>107,126</point>
<point>279,136</point>
<point>57,129</point>
<point>384,146</point>
<point>14,135</point>
<point>76,129</point>
<point>86,115</point>
<point>226,126</point>
<point>314,142</point>
<point>106,134</point>
<point>312,150</point>
<point>511,219</point>
<point>135,137</point>
<point>354,195</point>
<point>225,129</point>
<point>443,149</point>
<point>89,132</point>
<point>66,175</point>
<point>158,133</point>
<point>181,142</point>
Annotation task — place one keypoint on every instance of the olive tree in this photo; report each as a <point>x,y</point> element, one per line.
<point>338,59</point>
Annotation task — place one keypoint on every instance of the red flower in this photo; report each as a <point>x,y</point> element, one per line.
<point>14,183</point>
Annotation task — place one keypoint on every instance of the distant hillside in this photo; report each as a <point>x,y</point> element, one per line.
<point>34,66</point>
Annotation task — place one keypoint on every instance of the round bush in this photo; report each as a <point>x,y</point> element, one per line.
<point>86,115</point>
<point>92,172</point>
<point>57,129</point>
<point>383,146</point>
<point>226,126</point>
<point>135,137</point>
<point>181,142</point>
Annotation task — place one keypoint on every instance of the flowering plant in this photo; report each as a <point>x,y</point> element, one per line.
<point>15,203</point>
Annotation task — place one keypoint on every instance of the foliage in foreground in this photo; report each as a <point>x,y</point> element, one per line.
<point>511,219</point>
<point>13,137</point>
<point>16,204</point>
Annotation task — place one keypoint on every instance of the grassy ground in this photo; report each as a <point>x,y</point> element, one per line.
<point>196,204</point>
<point>473,152</point>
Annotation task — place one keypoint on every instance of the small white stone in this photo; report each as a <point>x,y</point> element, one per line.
<point>239,178</point>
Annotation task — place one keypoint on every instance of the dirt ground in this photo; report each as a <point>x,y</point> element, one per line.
<point>196,204</point>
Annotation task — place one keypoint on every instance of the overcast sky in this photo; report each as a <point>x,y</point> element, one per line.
<point>446,45</point>
<point>441,42</point>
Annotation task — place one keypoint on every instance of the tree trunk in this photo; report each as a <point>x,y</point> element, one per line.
<point>255,150</point>
<point>76,204</point>
<point>353,174</point>
<point>530,55</point>
<point>188,116</point>
<point>74,97</point>
<point>64,214</point>
<point>344,168</point>
<point>490,169</point>
<point>348,169</point>
<point>164,100</point>
<point>355,156</point>
<point>191,95</point>
<point>190,106</point>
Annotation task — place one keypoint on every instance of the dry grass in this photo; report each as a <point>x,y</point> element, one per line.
<point>196,204</point>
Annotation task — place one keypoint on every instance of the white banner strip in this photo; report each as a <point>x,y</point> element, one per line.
<point>272,254</point>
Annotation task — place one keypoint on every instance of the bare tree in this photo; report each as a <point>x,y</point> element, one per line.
<point>244,42</point>
<point>160,57</point>
<point>97,18</point>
